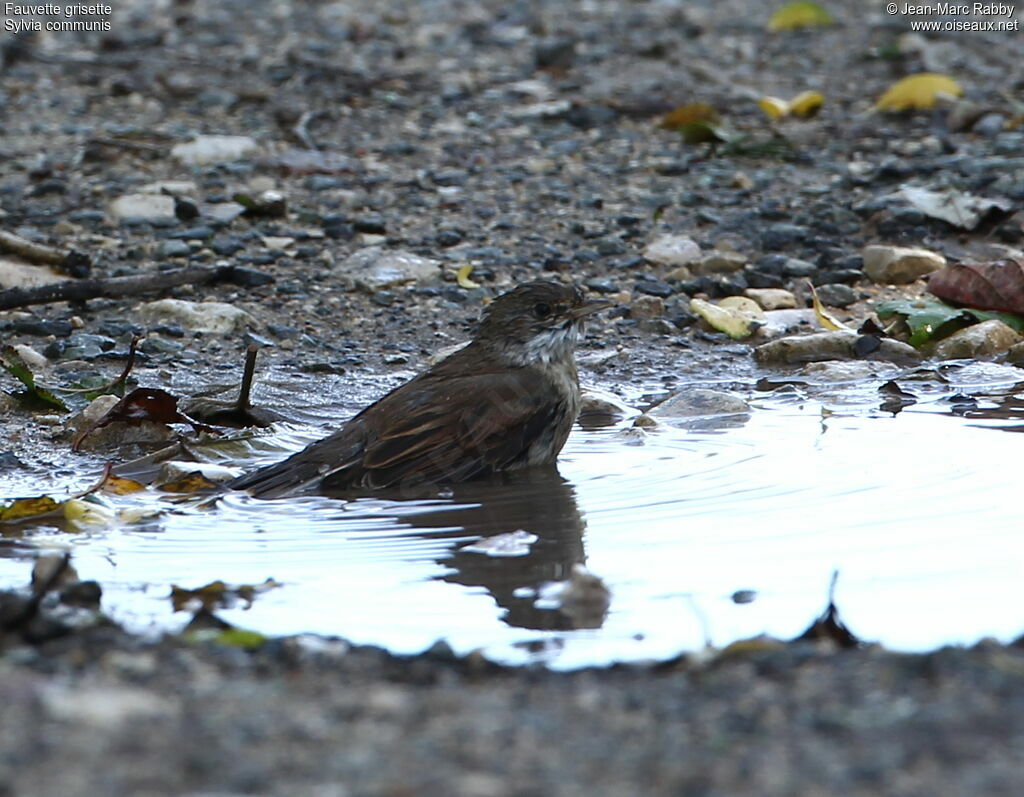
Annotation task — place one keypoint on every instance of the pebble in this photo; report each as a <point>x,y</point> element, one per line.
<point>672,250</point>
<point>771,298</point>
<point>646,307</point>
<point>898,265</point>
<point>210,317</point>
<point>213,149</point>
<point>602,285</point>
<point>654,288</point>
<point>834,294</point>
<point>779,236</point>
<point>717,262</point>
<point>839,345</point>
<point>173,248</point>
<point>375,268</point>
<point>794,267</point>
<point>698,402</point>
<point>978,340</point>
<point>132,209</point>
<point>372,223</point>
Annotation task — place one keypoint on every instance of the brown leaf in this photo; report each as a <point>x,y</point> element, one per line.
<point>998,285</point>
<point>143,404</point>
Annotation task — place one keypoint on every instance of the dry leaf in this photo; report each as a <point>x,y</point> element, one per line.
<point>825,318</point>
<point>737,319</point>
<point>918,91</point>
<point>799,15</point>
<point>688,114</point>
<point>773,107</point>
<point>806,104</point>
<point>23,508</point>
<point>462,277</point>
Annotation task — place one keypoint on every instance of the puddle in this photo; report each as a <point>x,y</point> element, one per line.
<point>683,525</point>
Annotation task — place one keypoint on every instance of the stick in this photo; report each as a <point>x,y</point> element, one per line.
<point>114,287</point>
<point>75,263</point>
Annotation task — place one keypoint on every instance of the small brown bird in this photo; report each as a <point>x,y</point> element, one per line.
<point>505,401</point>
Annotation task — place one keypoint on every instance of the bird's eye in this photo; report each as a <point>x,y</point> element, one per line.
<point>542,309</point>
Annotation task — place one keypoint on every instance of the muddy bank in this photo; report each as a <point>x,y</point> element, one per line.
<point>106,713</point>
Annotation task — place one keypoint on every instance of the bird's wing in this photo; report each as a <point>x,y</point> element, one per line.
<point>452,428</point>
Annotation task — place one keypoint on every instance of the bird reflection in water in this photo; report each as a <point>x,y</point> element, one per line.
<point>543,504</point>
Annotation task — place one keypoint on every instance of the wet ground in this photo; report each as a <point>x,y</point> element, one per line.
<point>520,139</point>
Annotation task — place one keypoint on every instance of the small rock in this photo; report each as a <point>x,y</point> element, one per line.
<point>897,265</point>
<point>647,307</point>
<point>35,361</point>
<point>42,329</point>
<point>698,402</point>
<point>372,223</point>
<point>672,250</point>
<point>654,288</point>
<point>720,263</point>
<point>830,371</point>
<point>838,345</point>
<point>210,317</point>
<point>836,295</point>
<point>144,208</point>
<point>213,149</point>
<point>979,340</point>
<point>157,345</point>
<point>779,236</point>
<point>602,285</point>
<point>375,268</point>
<point>173,248</point>
<point>794,267</point>
<point>771,298</point>
<point>18,274</point>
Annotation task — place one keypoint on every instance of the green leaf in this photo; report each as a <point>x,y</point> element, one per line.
<point>799,15</point>
<point>11,362</point>
<point>931,319</point>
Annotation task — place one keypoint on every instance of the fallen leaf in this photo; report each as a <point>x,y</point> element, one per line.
<point>82,513</point>
<point>825,318</point>
<point>737,322</point>
<point>931,319</point>
<point>689,113</point>
<point>119,485</point>
<point>22,508</point>
<point>462,277</point>
<point>997,285</point>
<point>918,92</point>
<point>143,404</point>
<point>218,594</point>
<point>12,362</point>
<point>773,107</point>
<point>799,15</point>
<point>952,206</point>
<point>806,104</point>
<point>194,482</point>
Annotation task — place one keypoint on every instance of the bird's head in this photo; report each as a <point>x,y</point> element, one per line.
<point>538,321</point>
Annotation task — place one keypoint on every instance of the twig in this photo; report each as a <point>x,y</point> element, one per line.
<point>247,376</point>
<point>74,263</point>
<point>114,287</point>
<point>122,380</point>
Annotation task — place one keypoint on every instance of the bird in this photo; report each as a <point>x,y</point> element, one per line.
<point>504,402</point>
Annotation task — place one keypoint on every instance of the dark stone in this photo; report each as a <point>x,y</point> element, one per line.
<point>588,116</point>
<point>654,288</point>
<point>841,275</point>
<point>762,279</point>
<point>8,461</point>
<point>173,248</point>
<point>170,330</point>
<point>283,332</point>
<point>602,285</point>
<point>324,182</point>
<point>383,298</point>
<point>835,294</point>
<point>372,223</point>
<point>251,278</point>
<point>452,177</point>
<point>449,237</point>
<point>341,231</point>
<point>794,267</point>
<point>611,246</point>
<point>185,209</point>
<point>773,210</point>
<point>554,53</point>
<point>779,236</point>
<point>200,233</point>
<point>226,247</point>
<point>771,264</point>
<point>252,339</point>
<point>86,594</point>
<point>28,326</point>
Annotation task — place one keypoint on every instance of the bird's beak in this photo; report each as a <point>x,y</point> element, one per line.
<point>590,306</point>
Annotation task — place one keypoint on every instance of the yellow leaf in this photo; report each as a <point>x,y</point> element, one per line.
<point>29,507</point>
<point>773,107</point>
<point>918,91</point>
<point>689,113</point>
<point>738,321</point>
<point>462,277</point>
<point>806,104</point>
<point>81,513</point>
<point>825,318</point>
<point>119,485</point>
<point>799,15</point>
